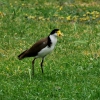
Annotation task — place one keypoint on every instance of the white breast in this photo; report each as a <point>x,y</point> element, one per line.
<point>47,49</point>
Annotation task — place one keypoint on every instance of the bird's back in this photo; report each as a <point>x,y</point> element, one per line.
<point>33,51</point>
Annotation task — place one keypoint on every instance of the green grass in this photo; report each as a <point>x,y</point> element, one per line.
<point>71,71</point>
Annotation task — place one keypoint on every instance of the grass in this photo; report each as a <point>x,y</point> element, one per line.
<point>71,71</point>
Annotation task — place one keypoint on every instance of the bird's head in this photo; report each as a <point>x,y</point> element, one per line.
<point>56,32</point>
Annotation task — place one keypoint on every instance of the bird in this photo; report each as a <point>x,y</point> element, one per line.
<point>41,48</point>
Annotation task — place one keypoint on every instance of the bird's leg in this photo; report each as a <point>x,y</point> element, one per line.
<point>42,64</point>
<point>33,66</point>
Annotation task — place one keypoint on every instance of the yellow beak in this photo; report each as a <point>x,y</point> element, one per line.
<point>59,33</point>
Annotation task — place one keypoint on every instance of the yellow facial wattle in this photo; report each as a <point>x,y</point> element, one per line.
<point>59,33</point>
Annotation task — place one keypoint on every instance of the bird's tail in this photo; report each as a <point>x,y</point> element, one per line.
<point>22,55</point>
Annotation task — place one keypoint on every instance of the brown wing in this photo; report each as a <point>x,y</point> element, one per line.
<point>33,51</point>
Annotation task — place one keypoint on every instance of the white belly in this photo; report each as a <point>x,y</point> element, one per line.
<point>45,51</point>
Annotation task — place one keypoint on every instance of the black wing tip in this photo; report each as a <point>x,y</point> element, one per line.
<point>19,57</point>
<point>22,55</point>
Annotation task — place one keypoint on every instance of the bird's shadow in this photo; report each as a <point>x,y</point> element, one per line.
<point>44,76</point>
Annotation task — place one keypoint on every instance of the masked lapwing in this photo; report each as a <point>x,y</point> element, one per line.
<point>41,48</point>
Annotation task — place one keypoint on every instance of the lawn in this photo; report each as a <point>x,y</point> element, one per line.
<point>71,71</point>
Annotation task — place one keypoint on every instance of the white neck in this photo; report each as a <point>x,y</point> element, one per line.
<point>53,39</point>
